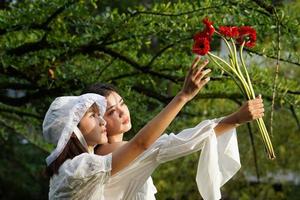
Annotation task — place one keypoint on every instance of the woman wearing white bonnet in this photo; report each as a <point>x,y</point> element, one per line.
<point>75,125</point>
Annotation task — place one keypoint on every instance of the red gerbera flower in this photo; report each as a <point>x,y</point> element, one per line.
<point>229,31</point>
<point>201,46</point>
<point>247,34</point>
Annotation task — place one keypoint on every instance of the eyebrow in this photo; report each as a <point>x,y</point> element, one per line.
<point>114,105</point>
<point>91,110</point>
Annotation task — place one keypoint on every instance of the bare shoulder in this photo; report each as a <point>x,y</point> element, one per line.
<point>108,148</point>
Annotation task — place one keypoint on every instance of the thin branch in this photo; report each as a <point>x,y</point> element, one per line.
<point>166,99</point>
<point>269,8</point>
<point>295,115</point>
<point>276,73</point>
<point>133,74</point>
<point>44,25</point>
<point>12,71</point>
<point>14,131</point>
<point>19,112</point>
<point>17,86</point>
<point>133,63</point>
<point>137,12</point>
<point>30,47</point>
<point>30,97</point>
<point>164,49</point>
<point>43,43</point>
<point>254,151</point>
<point>273,57</point>
<point>293,92</point>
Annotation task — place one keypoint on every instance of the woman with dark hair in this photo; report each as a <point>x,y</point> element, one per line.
<point>218,162</point>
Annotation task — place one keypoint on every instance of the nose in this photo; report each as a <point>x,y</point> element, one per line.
<point>102,122</point>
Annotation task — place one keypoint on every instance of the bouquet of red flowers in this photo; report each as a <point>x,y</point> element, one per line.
<point>232,35</point>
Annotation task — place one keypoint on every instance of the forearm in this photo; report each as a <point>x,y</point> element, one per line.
<point>147,135</point>
<point>227,124</point>
<point>250,110</point>
<point>153,129</point>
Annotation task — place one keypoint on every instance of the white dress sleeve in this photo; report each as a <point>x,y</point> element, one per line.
<point>189,140</point>
<point>82,177</point>
<point>219,159</point>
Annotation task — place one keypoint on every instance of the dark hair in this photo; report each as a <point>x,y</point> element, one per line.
<point>73,148</point>
<point>103,89</point>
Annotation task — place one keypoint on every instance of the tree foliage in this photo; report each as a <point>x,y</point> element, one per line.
<point>53,48</point>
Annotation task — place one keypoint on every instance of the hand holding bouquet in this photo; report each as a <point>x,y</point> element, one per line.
<point>236,68</point>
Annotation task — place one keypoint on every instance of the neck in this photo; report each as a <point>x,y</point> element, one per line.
<point>91,149</point>
<point>115,138</point>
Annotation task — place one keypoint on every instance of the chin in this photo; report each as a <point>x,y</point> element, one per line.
<point>127,128</point>
<point>103,141</point>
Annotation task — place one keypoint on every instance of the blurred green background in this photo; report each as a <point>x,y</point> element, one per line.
<point>50,48</point>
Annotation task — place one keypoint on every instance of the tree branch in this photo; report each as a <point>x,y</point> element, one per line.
<point>22,135</point>
<point>137,12</point>
<point>30,97</point>
<point>265,6</point>
<point>44,25</point>
<point>273,57</point>
<point>163,50</point>
<point>17,86</point>
<point>132,63</point>
<point>20,112</point>
<point>11,71</point>
<point>254,151</point>
<point>166,99</point>
<point>292,108</point>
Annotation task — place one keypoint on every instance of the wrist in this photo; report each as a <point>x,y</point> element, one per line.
<point>234,119</point>
<point>181,96</point>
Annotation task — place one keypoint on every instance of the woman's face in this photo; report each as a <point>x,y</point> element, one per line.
<point>92,127</point>
<point>117,115</point>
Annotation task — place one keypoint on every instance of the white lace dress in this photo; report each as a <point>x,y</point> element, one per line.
<point>82,177</point>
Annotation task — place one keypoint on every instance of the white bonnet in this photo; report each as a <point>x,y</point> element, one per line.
<point>63,116</point>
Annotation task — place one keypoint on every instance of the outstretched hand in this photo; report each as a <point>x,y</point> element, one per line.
<point>250,110</point>
<point>195,79</point>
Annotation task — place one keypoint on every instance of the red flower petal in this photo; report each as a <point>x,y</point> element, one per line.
<point>199,35</point>
<point>229,31</point>
<point>201,46</point>
<point>209,28</point>
<point>247,34</point>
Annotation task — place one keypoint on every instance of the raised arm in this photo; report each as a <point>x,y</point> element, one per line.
<point>194,81</point>
<point>251,110</point>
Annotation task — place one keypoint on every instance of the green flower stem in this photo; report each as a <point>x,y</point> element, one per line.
<point>229,73</point>
<point>238,67</point>
<point>234,55</point>
<point>220,59</point>
<point>227,44</point>
<point>211,56</point>
<point>244,84</point>
<point>260,122</point>
<point>266,139</point>
<point>245,69</point>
